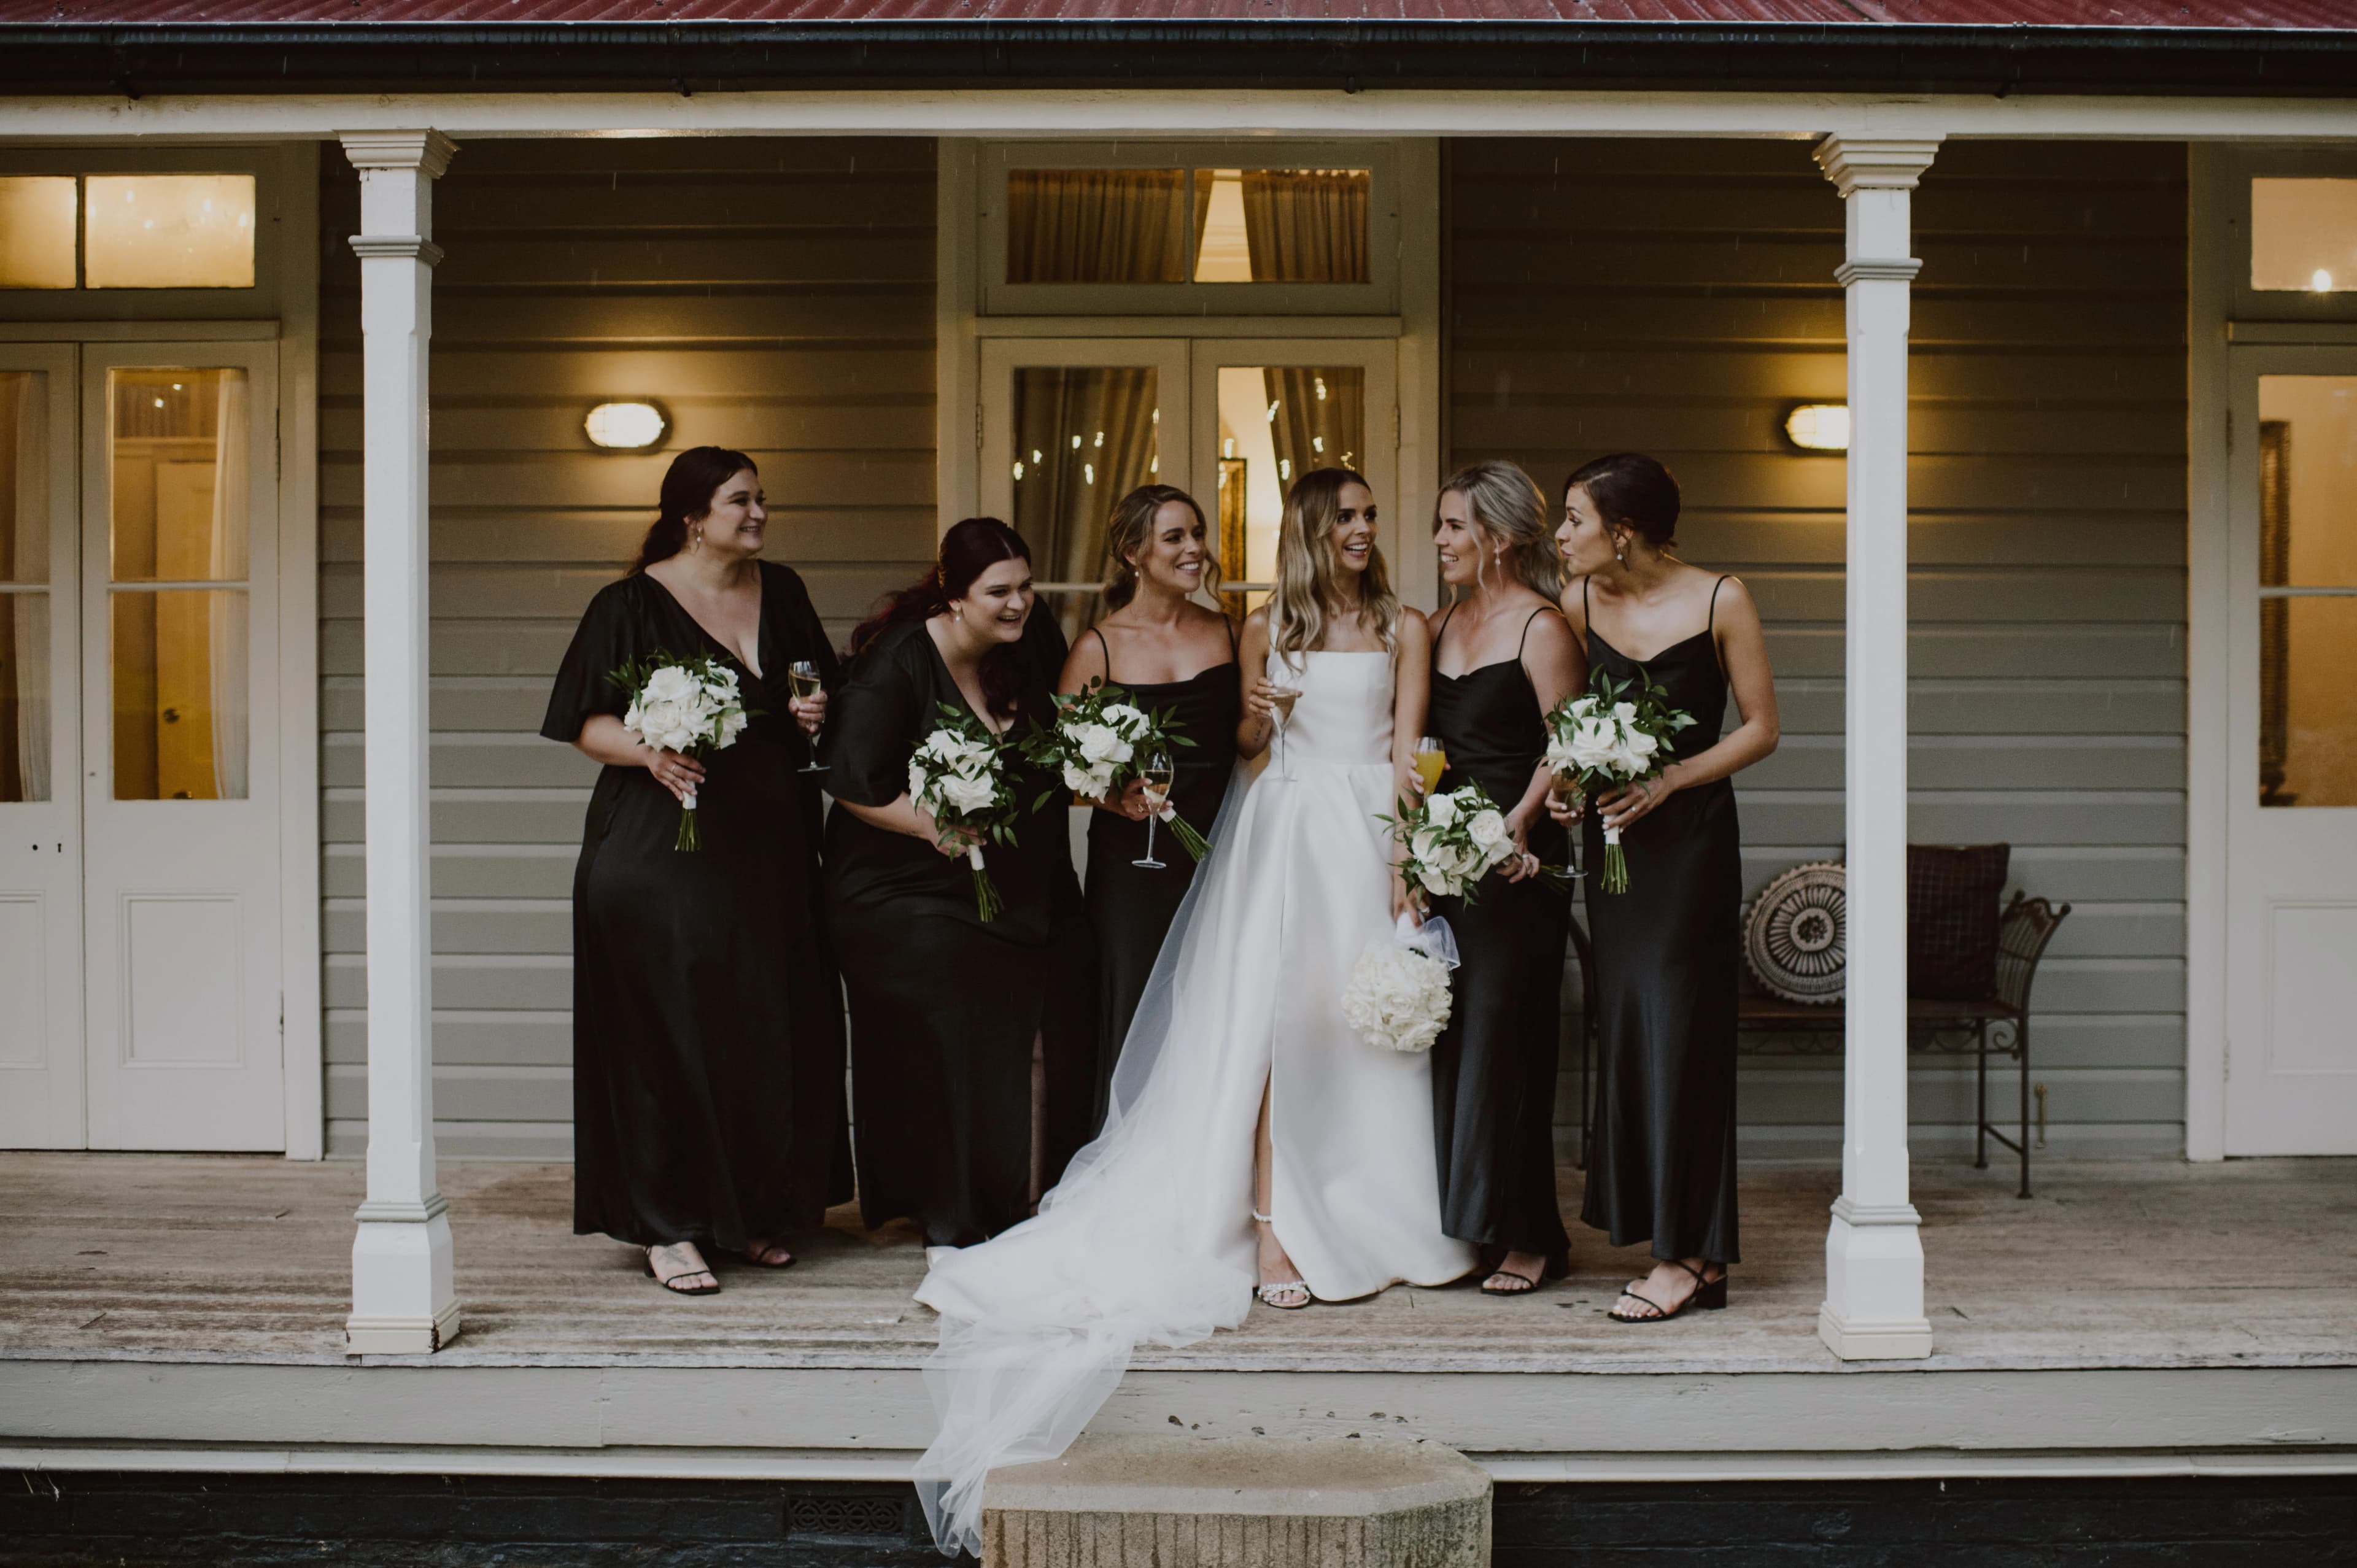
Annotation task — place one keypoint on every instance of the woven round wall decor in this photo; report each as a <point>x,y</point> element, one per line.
<point>1793,935</point>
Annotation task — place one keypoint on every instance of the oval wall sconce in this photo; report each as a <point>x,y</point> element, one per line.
<point>1819,427</point>
<point>625,426</point>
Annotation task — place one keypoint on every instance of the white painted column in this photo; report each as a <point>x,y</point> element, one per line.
<point>1874,1257</point>
<point>403,1299</point>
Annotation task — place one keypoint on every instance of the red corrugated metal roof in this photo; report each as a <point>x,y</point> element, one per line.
<point>2321,15</point>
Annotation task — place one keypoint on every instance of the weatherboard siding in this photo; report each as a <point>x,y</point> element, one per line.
<point>1676,297</point>
<point>775,295</point>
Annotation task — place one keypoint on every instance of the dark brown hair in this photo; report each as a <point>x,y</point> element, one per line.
<point>967,551</point>
<point>1127,534</point>
<point>688,487</point>
<point>1631,490</point>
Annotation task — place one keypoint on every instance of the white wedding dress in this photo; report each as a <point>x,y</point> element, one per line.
<point>1148,1239</point>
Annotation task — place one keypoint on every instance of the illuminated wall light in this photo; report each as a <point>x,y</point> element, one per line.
<point>625,426</point>
<point>1819,427</point>
<point>2321,281</point>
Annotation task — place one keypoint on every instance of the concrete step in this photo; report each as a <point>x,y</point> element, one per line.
<point>1242,1502</point>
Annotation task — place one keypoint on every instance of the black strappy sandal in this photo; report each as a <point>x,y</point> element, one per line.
<point>1527,1286</point>
<point>713,1289</point>
<point>1708,1295</point>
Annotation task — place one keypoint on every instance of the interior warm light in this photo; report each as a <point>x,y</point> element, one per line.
<point>2321,281</point>
<point>1819,427</point>
<point>625,426</point>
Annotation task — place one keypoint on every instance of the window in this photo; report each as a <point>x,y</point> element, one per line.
<point>1187,229</point>
<point>2304,235</point>
<point>2308,590</point>
<point>24,590</point>
<point>135,231</point>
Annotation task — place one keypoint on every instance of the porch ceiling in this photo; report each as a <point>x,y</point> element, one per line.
<point>2277,48</point>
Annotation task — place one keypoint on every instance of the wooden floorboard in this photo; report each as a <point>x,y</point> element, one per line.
<point>204,1258</point>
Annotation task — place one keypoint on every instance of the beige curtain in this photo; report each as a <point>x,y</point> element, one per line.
<point>24,617</point>
<point>1307,225</point>
<point>1085,225</point>
<point>2275,617</point>
<point>233,519</point>
<point>1086,438</point>
<point>1321,420</point>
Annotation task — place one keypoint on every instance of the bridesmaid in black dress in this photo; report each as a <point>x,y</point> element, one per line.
<point>1174,656</point>
<point>707,1023</point>
<point>1501,658</point>
<point>1663,1168</point>
<point>946,1007</point>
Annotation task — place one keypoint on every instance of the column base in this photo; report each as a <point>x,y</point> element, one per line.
<point>403,1299</point>
<point>400,1336</point>
<point>1874,1341</point>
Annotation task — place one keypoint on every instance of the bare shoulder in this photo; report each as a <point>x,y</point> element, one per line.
<point>1573,604</point>
<point>1735,600</point>
<point>1547,635</point>
<point>1413,630</point>
<point>1085,663</point>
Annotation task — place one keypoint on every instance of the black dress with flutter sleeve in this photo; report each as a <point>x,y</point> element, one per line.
<point>945,1006</point>
<point>707,1023</point>
<point>1494,1068</point>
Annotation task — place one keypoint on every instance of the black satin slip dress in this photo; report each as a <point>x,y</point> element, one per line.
<point>1131,906</point>
<point>1662,1166</point>
<point>1494,1068</point>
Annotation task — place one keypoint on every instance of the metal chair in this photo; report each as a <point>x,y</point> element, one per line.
<point>1584,950</point>
<point>2022,933</point>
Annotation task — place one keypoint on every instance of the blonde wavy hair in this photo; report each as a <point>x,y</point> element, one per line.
<point>1307,591</point>
<point>1129,530</point>
<point>1508,505</point>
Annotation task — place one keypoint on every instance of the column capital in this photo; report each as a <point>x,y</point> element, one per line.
<point>411,246</point>
<point>428,152</point>
<point>1872,163</point>
<point>1870,269</point>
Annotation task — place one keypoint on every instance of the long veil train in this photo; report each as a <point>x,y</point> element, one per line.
<point>1148,1239</point>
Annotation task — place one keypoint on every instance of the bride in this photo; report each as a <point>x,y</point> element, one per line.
<point>1253,1141</point>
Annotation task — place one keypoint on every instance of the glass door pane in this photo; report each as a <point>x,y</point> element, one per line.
<point>1085,435</point>
<point>24,662</point>
<point>1277,423</point>
<point>177,515</point>
<point>2308,590</point>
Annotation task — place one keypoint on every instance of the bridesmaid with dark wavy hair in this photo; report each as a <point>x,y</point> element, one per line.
<point>1172,655</point>
<point>707,1021</point>
<point>952,1015</point>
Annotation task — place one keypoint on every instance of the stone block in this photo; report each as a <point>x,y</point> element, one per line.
<point>1242,1502</point>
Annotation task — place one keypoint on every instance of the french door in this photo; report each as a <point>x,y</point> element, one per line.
<point>2291,918</point>
<point>142,812</point>
<point>1068,425</point>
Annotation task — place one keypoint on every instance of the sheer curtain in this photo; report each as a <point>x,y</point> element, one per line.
<point>232,713</point>
<point>1087,225</point>
<point>1307,225</point>
<point>1086,436</point>
<point>24,617</point>
<point>1321,420</point>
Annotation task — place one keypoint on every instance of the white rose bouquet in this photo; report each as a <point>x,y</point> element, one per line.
<point>959,774</point>
<point>1397,996</point>
<point>692,706</point>
<point>1614,733</point>
<point>1098,743</point>
<point>1454,840</point>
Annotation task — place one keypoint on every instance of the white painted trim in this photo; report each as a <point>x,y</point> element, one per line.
<point>299,649</point>
<point>195,331</point>
<point>2213,250</point>
<point>1095,114</point>
<point>1194,326</point>
<point>1422,420</point>
<point>896,1464</point>
<point>957,371</point>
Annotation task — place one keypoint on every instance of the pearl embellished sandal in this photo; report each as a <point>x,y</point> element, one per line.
<point>1286,1295</point>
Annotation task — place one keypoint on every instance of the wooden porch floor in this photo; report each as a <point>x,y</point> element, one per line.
<point>214,1258</point>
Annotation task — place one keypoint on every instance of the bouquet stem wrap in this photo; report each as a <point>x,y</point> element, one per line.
<point>1616,864</point>
<point>986,901</point>
<point>1193,843</point>
<point>688,838</point>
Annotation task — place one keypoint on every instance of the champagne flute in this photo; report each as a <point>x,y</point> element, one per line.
<point>802,677</point>
<point>1563,789</point>
<point>1431,761</point>
<point>1283,698</point>
<point>1155,777</point>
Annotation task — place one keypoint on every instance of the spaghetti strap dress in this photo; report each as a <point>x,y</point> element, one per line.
<point>1131,906</point>
<point>1494,1068</point>
<point>1663,1168</point>
<point>707,1020</point>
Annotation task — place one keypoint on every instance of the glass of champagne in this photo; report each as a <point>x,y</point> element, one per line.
<point>1283,698</point>
<point>802,677</point>
<point>1156,777</point>
<point>1431,761</point>
<point>1566,790</point>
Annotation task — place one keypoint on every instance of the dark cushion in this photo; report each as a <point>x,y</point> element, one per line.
<point>1951,914</point>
